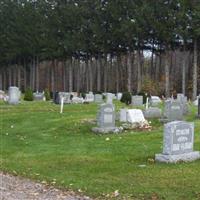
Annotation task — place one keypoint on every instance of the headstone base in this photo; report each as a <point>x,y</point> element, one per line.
<point>107,130</point>
<point>186,157</point>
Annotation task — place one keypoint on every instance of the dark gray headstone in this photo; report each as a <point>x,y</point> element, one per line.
<point>106,116</point>
<point>152,112</point>
<point>106,120</point>
<point>183,100</point>
<point>137,100</point>
<point>173,110</point>
<point>178,142</point>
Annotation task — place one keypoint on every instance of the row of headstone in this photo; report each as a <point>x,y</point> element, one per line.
<point>178,143</point>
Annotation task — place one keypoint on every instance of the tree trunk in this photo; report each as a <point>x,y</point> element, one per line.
<point>90,75</point>
<point>105,73</point>
<point>99,64</point>
<point>4,80</point>
<point>1,81</point>
<point>24,71</point>
<point>33,74</point>
<point>10,76</point>
<point>167,68</point>
<point>117,71</point>
<point>78,75</point>
<point>71,76</point>
<point>194,95</point>
<point>37,74</point>
<point>64,75</point>
<point>129,71</point>
<point>52,77</point>
<point>139,71</point>
<point>184,70</point>
<point>19,77</point>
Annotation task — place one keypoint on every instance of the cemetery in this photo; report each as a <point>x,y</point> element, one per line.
<point>68,150</point>
<point>99,100</point>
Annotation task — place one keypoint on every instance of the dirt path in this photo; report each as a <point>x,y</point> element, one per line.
<point>16,188</point>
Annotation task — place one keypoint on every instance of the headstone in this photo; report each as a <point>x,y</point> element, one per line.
<point>135,116</point>
<point>183,100</point>
<point>155,101</point>
<point>173,110</point>
<point>119,96</point>
<point>2,95</point>
<point>110,98</point>
<point>106,116</point>
<point>98,98</point>
<point>56,97</point>
<point>178,143</point>
<point>75,94</point>
<point>123,115</point>
<point>137,100</point>
<point>14,95</point>
<point>89,98</point>
<point>152,112</point>
<point>65,96</point>
<point>180,96</point>
<point>77,100</point>
<point>106,120</point>
<point>38,96</point>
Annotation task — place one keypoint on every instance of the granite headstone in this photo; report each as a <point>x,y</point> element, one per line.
<point>178,143</point>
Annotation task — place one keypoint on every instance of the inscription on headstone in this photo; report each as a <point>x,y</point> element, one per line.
<point>178,142</point>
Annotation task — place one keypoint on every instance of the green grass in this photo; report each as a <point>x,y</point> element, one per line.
<point>39,143</point>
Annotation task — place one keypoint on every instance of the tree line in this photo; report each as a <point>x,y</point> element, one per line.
<point>100,45</point>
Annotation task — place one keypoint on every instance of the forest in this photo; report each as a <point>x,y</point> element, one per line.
<point>101,45</point>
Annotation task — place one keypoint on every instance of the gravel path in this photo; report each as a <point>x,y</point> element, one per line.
<point>16,188</point>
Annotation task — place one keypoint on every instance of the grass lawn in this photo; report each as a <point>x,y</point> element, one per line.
<point>39,143</point>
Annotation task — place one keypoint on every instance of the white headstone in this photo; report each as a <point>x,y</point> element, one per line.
<point>123,115</point>
<point>135,116</point>
<point>14,95</point>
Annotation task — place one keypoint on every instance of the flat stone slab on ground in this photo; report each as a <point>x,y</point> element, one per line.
<point>17,188</point>
<point>186,157</point>
<point>107,130</point>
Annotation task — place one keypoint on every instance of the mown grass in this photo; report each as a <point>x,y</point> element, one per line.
<point>39,143</point>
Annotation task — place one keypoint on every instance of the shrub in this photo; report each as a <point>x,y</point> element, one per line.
<point>126,98</point>
<point>28,96</point>
<point>47,95</point>
<point>99,92</point>
<point>83,95</point>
